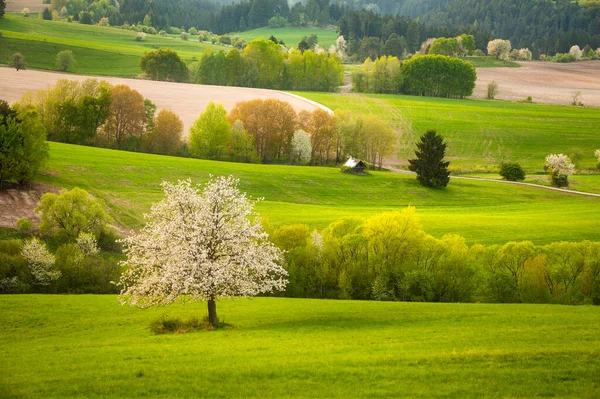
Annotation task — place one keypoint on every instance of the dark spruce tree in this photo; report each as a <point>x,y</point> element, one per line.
<point>429,163</point>
<point>2,7</point>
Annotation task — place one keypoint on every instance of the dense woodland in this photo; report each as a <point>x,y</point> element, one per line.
<point>543,26</point>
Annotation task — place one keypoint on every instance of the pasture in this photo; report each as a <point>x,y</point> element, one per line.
<point>482,212</point>
<point>102,51</point>
<point>90,346</point>
<point>481,134</point>
<point>291,36</point>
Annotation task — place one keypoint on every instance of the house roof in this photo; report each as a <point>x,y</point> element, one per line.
<point>353,162</point>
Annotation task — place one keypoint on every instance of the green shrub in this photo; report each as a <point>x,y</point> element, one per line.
<point>24,225</point>
<point>166,324</point>
<point>492,90</point>
<point>512,171</point>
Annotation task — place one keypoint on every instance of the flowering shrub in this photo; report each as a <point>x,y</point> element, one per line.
<point>560,168</point>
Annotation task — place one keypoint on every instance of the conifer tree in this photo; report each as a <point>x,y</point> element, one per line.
<point>429,163</point>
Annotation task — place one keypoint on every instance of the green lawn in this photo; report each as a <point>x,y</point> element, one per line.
<point>90,346</point>
<point>291,36</point>
<point>480,211</point>
<point>481,134</point>
<point>97,50</point>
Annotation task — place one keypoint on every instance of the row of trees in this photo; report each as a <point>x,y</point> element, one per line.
<point>271,131</point>
<point>93,112</point>
<point>427,75</point>
<point>266,64</point>
<point>390,257</point>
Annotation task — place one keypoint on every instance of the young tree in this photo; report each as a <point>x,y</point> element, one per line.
<point>64,60</point>
<point>166,133</point>
<point>301,148</point>
<point>71,213</point>
<point>2,7</point>
<point>40,262</point>
<point>210,133</point>
<point>492,90</point>
<point>429,163</point>
<point>512,171</point>
<point>127,115</point>
<point>200,245</point>
<point>17,61</point>
<point>597,154</point>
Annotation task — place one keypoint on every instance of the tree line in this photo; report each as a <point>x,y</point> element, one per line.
<point>390,257</point>
<point>264,64</point>
<point>270,131</point>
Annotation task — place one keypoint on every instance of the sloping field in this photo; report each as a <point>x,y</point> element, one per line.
<point>187,100</point>
<point>482,212</point>
<point>545,82</point>
<point>74,346</point>
<point>292,36</point>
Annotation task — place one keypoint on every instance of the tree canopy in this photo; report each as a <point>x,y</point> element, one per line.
<point>164,64</point>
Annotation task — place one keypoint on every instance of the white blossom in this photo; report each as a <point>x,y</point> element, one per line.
<point>597,154</point>
<point>87,244</point>
<point>576,52</point>
<point>316,239</point>
<point>499,48</point>
<point>560,165</point>
<point>200,245</point>
<point>40,262</point>
<point>301,147</point>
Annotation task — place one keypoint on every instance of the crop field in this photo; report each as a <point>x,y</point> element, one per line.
<point>90,346</point>
<point>482,212</point>
<point>97,50</point>
<point>481,134</point>
<point>291,36</point>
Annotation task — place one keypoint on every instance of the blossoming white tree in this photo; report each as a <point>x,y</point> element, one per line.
<point>301,147</point>
<point>200,245</point>
<point>597,154</point>
<point>40,262</point>
<point>560,168</point>
<point>499,48</point>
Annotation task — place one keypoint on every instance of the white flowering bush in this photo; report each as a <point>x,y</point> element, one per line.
<point>597,154</point>
<point>87,244</point>
<point>499,48</point>
<point>140,36</point>
<point>301,147</point>
<point>40,262</point>
<point>560,168</point>
<point>199,243</point>
<point>576,52</point>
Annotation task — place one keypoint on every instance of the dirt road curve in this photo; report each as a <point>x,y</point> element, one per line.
<point>187,100</point>
<point>545,82</point>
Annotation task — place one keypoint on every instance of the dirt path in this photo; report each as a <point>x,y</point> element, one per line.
<point>545,82</point>
<point>187,100</point>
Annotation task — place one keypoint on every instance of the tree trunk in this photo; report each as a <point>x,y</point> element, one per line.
<point>212,313</point>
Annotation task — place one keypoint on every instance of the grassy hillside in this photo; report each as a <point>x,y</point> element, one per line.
<point>481,134</point>
<point>97,50</point>
<point>291,36</point>
<point>90,346</point>
<point>482,212</point>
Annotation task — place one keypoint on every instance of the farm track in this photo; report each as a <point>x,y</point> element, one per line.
<point>187,100</point>
<point>394,169</point>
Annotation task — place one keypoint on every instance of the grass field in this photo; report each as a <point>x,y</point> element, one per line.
<point>97,50</point>
<point>480,211</point>
<point>90,346</point>
<point>480,134</point>
<point>291,36</point>
<point>491,62</point>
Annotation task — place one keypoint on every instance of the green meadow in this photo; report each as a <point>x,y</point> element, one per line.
<point>97,50</point>
<point>482,212</point>
<point>291,36</point>
<point>480,133</point>
<point>90,346</point>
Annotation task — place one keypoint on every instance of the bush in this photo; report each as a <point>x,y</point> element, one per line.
<point>512,172</point>
<point>64,60</point>
<point>563,58</point>
<point>17,61</point>
<point>166,324</point>
<point>24,225</point>
<point>478,53</point>
<point>164,64</point>
<point>492,90</point>
<point>184,36</point>
<point>140,36</point>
